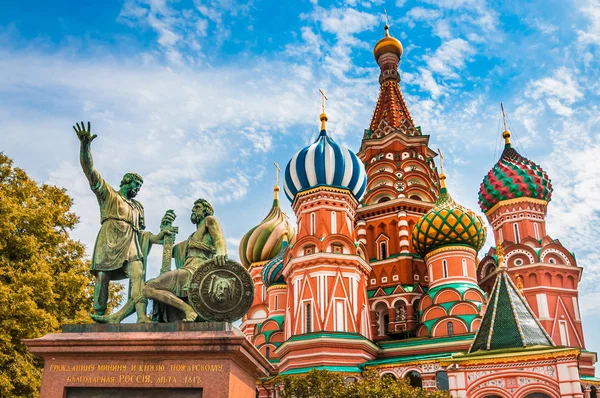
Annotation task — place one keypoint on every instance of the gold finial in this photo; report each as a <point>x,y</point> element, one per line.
<point>506,133</point>
<point>442,176</point>
<point>323,116</point>
<point>276,187</point>
<point>285,235</point>
<point>386,28</point>
<point>500,254</point>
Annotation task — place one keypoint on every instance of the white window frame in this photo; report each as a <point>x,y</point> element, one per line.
<point>340,316</point>
<point>542,303</point>
<point>536,231</point>
<point>465,269</point>
<point>313,223</point>
<point>333,222</point>
<point>564,333</point>
<point>576,309</point>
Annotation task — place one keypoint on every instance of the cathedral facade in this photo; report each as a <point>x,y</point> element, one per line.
<point>381,270</point>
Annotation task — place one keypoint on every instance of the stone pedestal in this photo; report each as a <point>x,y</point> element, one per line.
<point>149,360</point>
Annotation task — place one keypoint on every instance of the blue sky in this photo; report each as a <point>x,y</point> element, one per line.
<point>201,97</point>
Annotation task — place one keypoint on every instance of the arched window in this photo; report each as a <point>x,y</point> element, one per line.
<point>450,328</point>
<point>414,379</point>
<point>441,381</point>
<point>445,268</point>
<point>275,302</point>
<point>537,395</point>
<point>594,392</point>
<point>415,197</point>
<point>308,319</point>
<point>416,309</point>
<point>536,232</point>
<point>383,250</point>
<point>384,199</point>
<point>517,237</point>
<point>464,267</point>
<point>333,222</point>
<point>268,352</point>
<point>313,223</point>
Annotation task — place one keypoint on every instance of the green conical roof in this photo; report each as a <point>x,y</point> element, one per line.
<point>508,322</point>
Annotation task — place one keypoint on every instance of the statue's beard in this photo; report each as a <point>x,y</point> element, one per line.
<point>196,218</point>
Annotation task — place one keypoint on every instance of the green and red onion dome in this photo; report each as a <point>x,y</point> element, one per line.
<point>514,176</point>
<point>448,224</point>
<point>263,242</point>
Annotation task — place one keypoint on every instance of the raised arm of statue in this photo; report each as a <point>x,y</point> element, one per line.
<point>216,234</point>
<point>85,155</point>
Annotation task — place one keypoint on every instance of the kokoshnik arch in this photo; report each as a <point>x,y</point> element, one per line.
<point>381,270</point>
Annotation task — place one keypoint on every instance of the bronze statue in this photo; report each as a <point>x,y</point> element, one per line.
<point>206,244</point>
<point>122,244</point>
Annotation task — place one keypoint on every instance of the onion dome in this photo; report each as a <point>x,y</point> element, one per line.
<point>324,163</point>
<point>447,223</point>
<point>272,273</point>
<point>388,44</point>
<point>514,176</point>
<point>264,241</point>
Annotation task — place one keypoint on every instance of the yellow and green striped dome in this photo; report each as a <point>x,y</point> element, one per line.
<point>448,223</point>
<point>263,242</point>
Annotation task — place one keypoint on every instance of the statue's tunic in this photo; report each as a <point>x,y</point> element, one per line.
<point>118,242</point>
<point>189,256</point>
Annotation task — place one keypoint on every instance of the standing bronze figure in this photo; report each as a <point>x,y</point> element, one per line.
<point>122,244</point>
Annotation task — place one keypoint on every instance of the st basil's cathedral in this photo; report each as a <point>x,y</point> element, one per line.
<point>381,270</point>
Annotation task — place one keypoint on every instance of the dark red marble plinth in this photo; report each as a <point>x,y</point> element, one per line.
<point>163,360</point>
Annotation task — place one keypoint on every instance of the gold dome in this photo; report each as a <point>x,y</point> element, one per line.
<point>387,45</point>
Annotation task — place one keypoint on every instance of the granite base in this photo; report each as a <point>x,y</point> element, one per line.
<point>148,360</point>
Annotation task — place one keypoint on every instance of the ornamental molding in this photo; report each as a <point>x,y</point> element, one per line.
<point>450,248</point>
<point>515,201</point>
<point>562,255</point>
<point>514,252</point>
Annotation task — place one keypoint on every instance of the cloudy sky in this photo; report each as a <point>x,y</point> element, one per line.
<point>202,96</point>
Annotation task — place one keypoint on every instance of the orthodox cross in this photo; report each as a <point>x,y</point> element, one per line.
<point>387,19</point>
<point>503,116</point>
<point>277,170</point>
<point>441,160</point>
<point>323,98</point>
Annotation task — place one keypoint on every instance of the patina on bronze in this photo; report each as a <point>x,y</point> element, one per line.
<point>221,293</point>
<point>122,245</point>
<point>203,252</point>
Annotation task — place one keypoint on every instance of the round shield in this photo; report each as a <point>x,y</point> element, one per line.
<point>221,293</point>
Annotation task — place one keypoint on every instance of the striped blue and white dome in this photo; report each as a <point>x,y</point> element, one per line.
<point>325,163</point>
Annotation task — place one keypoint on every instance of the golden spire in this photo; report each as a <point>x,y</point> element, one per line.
<point>323,116</point>
<point>500,254</point>
<point>276,187</point>
<point>506,133</point>
<point>442,175</point>
<point>520,283</point>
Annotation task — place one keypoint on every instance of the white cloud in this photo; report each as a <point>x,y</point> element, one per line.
<point>559,91</point>
<point>590,10</point>
<point>449,58</point>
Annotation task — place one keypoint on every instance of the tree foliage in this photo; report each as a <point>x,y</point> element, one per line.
<point>325,384</point>
<point>44,276</point>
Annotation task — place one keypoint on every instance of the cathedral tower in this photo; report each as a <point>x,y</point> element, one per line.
<point>327,317</point>
<point>514,196</point>
<point>402,186</point>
